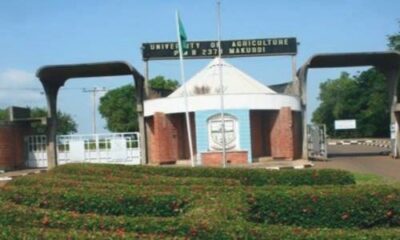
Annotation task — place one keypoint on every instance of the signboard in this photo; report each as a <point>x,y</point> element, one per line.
<point>345,124</point>
<point>19,113</point>
<point>230,48</point>
<point>393,131</point>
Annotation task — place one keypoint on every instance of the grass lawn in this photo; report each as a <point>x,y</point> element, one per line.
<point>369,178</point>
<point>84,201</point>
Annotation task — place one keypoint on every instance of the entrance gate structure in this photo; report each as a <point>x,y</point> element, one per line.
<point>316,142</point>
<point>117,148</point>
<point>54,76</point>
<point>388,63</point>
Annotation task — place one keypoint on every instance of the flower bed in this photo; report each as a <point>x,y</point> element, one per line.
<point>83,201</point>
<point>250,177</point>
<point>351,206</point>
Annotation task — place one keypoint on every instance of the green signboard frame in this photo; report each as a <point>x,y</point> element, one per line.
<point>230,48</point>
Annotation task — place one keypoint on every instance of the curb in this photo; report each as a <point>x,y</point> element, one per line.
<point>9,178</point>
<point>308,165</point>
<point>375,143</point>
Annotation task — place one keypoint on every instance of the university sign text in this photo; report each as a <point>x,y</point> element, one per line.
<point>230,48</point>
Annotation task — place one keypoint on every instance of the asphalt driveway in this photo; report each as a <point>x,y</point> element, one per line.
<point>364,159</point>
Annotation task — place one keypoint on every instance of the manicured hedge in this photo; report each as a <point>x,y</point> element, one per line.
<point>47,224</point>
<point>56,180</point>
<point>17,233</point>
<point>84,201</point>
<point>252,177</point>
<point>22,216</point>
<point>109,202</point>
<point>352,206</point>
<point>247,231</point>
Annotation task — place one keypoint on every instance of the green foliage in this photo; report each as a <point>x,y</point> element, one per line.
<point>3,115</point>
<point>363,97</point>
<point>121,201</point>
<point>118,106</point>
<point>160,82</point>
<point>18,215</point>
<point>18,233</point>
<point>248,177</point>
<point>362,206</point>
<point>394,41</point>
<point>66,125</point>
<point>86,201</point>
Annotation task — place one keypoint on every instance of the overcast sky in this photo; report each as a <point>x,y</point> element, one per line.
<point>37,33</point>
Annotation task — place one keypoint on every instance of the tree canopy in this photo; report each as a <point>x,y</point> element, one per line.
<point>160,82</point>
<point>363,97</point>
<point>118,106</point>
<point>66,124</point>
<point>394,41</point>
<point>3,115</point>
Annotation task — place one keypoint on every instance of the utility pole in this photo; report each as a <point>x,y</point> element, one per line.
<point>93,91</point>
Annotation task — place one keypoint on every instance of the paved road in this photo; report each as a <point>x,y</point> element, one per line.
<point>361,158</point>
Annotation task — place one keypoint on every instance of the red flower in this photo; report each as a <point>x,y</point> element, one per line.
<point>389,214</point>
<point>314,198</point>
<point>120,232</point>
<point>45,220</point>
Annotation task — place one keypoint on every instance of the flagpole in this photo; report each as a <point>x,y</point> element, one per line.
<point>189,129</point>
<point>221,85</point>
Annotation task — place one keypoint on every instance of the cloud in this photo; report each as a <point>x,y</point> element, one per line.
<point>20,88</point>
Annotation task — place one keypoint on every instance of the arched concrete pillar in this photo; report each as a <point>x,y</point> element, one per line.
<point>51,91</point>
<point>387,62</point>
<point>302,76</point>
<point>53,77</point>
<point>392,74</point>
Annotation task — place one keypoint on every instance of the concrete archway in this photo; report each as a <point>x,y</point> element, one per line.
<point>386,62</point>
<point>54,76</point>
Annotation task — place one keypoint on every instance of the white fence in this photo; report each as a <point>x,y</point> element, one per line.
<point>119,148</point>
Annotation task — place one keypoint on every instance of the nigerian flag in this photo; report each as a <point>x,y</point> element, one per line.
<point>182,35</point>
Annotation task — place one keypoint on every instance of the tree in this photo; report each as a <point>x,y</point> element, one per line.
<point>394,44</point>
<point>334,96</point>
<point>394,41</point>
<point>160,82</point>
<point>3,115</point>
<point>363,97</point>
<point>66,125</point>
<point>374,108</point>
<point>118,106</point>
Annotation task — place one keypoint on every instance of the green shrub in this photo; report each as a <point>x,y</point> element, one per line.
<point>108,202</point>
<point>23,216</point>
<point>242,230</point>
<point>33,223</point>
<point>59,180</point>
<point>251,177</point>
<point>17,233</point>
<point>352,206</point>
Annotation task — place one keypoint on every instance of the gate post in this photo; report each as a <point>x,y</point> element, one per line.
<point>51,96</point>
<point>302,93</point>
<point>392,74</point>
<point>140,96</point>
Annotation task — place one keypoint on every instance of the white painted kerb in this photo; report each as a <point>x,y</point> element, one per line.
<point>212,102</point>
